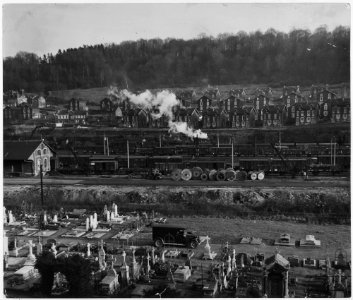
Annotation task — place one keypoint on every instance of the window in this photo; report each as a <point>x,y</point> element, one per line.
<point>321,97</point>
<point>45,151</point>
<point>228,105</point>
<point>45,164</point>
<point>302,113</point>
<point>275,116</point>
<point>39,152</point>
<point>297,113</point>
<point>257,104</point>
<point>329,96</point>
<point>295,99</point>
<point>201,104</point>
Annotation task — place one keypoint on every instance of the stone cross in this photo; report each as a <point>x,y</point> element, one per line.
<point>39,247</point>
<point>163,257</point>
<point>229,265</point>
<point>91,221</point>
<point>55,219</point>
<point>10,217</point>
<point>6,243</point>
<point>153,256</point>
<point>30,248</point>
<point>207,242</point>
<point>148,264</point>
<point>234,261</point>
<point>87,224</point>
<point>101,256</point>
<point>208,248</point>
<point>5,217</point>
<point>242,261</point>
<point>53,248</point>
<point>112,215</point>
<point>133,255</point>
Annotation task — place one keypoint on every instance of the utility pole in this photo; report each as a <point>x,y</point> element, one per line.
<point>232,153</point>
<point>104,151</point>
<point>128,154</point>
<point>41,185</point>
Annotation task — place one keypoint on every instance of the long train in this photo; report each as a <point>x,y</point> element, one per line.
<point>143,164</point>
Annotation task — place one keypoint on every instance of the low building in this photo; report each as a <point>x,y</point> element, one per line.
<point>19,114</point>
<point>26,157</point>
<point>204,103</point>
<point>260,101</point>
<point>272,116</point>
<point>321,94</point>
<point>231,104</point>
<point>340,111</point>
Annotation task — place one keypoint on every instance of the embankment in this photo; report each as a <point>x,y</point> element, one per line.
<point>317,205</point>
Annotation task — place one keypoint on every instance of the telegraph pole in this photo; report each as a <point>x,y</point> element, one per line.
<point>41,186</point>
<point>128,154</point>
<point>232,153</point>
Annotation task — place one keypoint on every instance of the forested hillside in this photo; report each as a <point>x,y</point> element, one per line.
<point>299,57</point>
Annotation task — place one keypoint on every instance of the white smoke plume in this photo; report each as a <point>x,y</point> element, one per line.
<point>113,91</point>
<point>164,102</point>
<point>183,127</point>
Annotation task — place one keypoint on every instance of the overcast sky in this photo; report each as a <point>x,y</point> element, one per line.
<point>46,28</point>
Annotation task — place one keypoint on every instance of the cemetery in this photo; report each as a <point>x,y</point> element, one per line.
<point>124,260</point>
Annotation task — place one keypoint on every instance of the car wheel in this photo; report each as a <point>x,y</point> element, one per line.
<point>158,243</point>
<point>193,244</point>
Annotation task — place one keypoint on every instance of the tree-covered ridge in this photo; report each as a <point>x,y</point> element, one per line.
<point>273,57</point>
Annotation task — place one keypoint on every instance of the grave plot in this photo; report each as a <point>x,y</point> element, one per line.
<point>94,235</point>
<point>45,233</point>
<point>73,234</point>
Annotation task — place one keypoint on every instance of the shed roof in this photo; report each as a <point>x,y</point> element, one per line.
<point>19,150</point>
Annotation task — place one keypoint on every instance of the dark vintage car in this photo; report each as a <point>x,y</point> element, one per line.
<point>167,234</point>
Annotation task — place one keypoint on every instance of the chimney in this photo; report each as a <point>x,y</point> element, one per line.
<point>344,91</point>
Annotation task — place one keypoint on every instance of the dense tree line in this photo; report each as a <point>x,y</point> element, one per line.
<point>298,57</point>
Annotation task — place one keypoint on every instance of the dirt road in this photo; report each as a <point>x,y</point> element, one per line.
<point>122,181</point>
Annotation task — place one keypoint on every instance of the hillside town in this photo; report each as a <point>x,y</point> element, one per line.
<point>208,109</point>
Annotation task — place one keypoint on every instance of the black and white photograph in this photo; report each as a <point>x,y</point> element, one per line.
<point>176,150</point>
